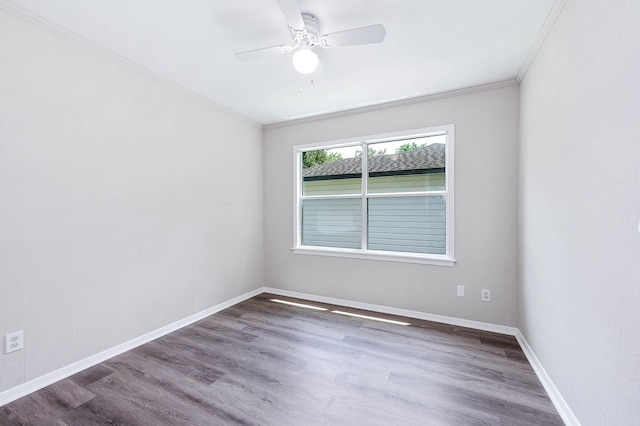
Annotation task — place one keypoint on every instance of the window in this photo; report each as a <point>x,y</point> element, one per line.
<point>387,197</point>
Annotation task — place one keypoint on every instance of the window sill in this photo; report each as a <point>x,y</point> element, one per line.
<point>376,255</point>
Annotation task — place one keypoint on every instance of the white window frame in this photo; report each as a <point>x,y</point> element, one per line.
<point>446,259</point>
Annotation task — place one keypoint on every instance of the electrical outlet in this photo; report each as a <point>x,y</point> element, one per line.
<point>486,295</point>
<point>460,291</point>
<point>14,341</point>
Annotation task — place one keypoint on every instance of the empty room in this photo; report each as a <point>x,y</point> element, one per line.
<point>303,212</point>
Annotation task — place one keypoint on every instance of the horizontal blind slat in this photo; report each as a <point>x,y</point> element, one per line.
<point>332,223</point>
<point>422,219</point>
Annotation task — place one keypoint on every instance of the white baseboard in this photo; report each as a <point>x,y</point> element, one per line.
<point>502,329</point>
<point>556,398</point>
<point>64,372</point>
<point>554,394</point>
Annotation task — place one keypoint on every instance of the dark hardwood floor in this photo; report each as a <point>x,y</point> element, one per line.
<point>265,363</point>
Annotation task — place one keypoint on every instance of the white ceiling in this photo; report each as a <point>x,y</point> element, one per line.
<point>431,47</point>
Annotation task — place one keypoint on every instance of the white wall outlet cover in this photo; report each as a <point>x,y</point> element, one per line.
<point>14,341</point>
<point>460,291</point>
<point>486,295</point>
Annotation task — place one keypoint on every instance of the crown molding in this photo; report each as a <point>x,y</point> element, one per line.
<point>395,104</point>
<point>17,11</point>
<point>78,40</point>
<point>548,24</point>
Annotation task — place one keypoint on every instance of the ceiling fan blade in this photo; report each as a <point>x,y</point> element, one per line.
<point>364,35</point>
<point>265,52</point>
<point>326,70</point>
<point>292,14</point>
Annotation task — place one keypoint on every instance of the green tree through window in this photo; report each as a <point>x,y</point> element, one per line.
<point>407,147</point>
<point>319,156</point>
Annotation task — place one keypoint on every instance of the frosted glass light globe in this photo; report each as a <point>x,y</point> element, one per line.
<point>305,61</point>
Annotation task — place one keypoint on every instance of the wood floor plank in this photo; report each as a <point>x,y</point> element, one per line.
<point>265,363</point>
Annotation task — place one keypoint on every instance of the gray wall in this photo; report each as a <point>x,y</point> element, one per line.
<point>580,206</point>
<point>486,213</point>
<point>113,222</point>
<point>113,219</point>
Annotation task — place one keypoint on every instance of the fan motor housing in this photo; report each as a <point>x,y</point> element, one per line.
<point>311,24</point>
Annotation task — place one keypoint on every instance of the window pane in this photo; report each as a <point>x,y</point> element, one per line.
<point>407,183</point>
<point>332,171</point>
<point>408,224</point>
<point>409,165</point>
<point>332,223</point>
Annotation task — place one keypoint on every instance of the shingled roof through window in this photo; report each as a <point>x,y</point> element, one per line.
<point>430,157</point>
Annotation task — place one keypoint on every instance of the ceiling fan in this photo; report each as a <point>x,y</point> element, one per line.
<point>305,32</point>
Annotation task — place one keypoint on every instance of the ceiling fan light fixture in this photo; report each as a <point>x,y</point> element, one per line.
<point>305,61</point>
